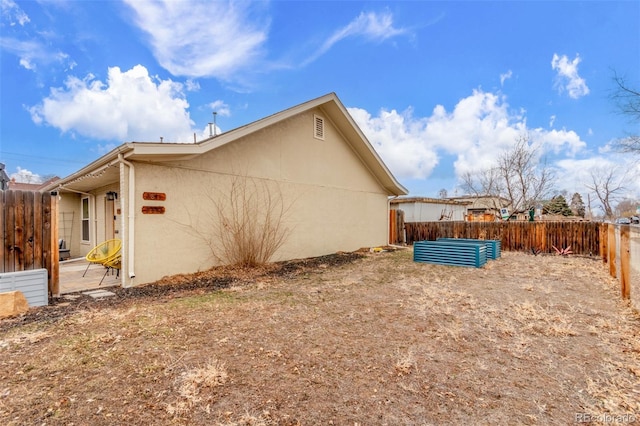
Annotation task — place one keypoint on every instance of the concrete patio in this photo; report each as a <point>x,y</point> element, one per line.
<point>72,281</point>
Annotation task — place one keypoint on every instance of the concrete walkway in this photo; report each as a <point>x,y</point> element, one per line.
<point>72,281</point>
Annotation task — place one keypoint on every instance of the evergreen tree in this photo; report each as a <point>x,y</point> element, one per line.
<point>577,205</point>
<point>558,205</point>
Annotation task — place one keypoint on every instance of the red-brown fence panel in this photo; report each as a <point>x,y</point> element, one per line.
<point>582,237</point>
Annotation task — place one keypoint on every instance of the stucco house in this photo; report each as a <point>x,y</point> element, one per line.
<point>162,200</point>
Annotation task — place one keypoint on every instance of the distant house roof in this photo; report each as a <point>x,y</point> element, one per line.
<point>428,200</point>
<point>23,186</point>
<point>158,151</point>
<point>483,201</point>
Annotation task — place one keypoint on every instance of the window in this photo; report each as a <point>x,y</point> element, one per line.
<point>318,127</point>
<point>85,220</point>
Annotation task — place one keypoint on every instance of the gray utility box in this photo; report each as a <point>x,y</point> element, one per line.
<point>33,284</point>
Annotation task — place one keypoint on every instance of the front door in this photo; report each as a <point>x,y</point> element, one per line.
<point>109,219</point>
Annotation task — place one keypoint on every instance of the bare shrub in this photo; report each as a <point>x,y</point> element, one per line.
<point>250,226</point>
<point>242,223</point>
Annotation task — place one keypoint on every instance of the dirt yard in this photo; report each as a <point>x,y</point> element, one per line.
<point>371,339</point>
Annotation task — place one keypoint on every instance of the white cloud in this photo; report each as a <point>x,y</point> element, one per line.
<point>552,120</point>
<point>504,77</point>
<point>191,85</point>
<point>567,78</point>
<point>33,53</point>
<point>129,106</point>
<point>557,141</point>
<point>398,140</point>
<point>26,176</point>
<point>478,129</point>
<point>220,107</point>
<point>13,14</point>
<point>372,26</point>
<point>203,39</point>
<point>227,39</point>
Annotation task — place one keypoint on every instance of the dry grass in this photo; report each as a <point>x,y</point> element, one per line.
<point>525,340</point>
<point>193,384</point>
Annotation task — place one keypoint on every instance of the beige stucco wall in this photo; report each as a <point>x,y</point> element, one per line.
<point>333,202</point>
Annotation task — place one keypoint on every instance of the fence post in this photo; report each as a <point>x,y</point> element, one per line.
<point>400,228</point>
<point>9,232</point>
<point>392,226</point>
<point>54,284</point>
<point>625,283</point>
<point>611,243</point>
<point>604,247</point>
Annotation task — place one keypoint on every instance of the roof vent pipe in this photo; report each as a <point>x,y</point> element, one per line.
<point>161,139</point>
<point>214,122</point>
<point>210,130</point>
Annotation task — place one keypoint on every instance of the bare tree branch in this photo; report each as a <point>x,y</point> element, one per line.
<point>518,177</point>
<point>626,97</point>
<point>627,100</point>
<point>606,185</point>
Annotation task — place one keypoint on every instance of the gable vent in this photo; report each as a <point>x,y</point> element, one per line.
<point>318,127</point>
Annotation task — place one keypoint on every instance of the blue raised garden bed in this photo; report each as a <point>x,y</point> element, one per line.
<point>493,246</point>
<point>454,253</point>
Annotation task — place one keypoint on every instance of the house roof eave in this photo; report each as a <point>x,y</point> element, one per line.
<point>329,104</point>
<point>90,169</point>
<point>163,151</point>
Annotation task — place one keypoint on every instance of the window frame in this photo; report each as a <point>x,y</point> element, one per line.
<point>85,222</point>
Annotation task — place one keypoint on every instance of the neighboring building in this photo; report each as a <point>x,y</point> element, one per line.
<point>160,198</point>
<point>483,207</point>
<point>423,209</point>
<point>4,178</point>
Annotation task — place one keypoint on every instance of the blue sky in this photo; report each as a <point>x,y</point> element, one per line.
<point>439,88</point>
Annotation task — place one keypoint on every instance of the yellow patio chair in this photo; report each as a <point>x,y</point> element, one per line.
<point>111,264</point>
<point>103,252</point>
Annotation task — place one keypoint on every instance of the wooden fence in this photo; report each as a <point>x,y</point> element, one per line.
<point>29,234</point>
<point>583,237</point>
